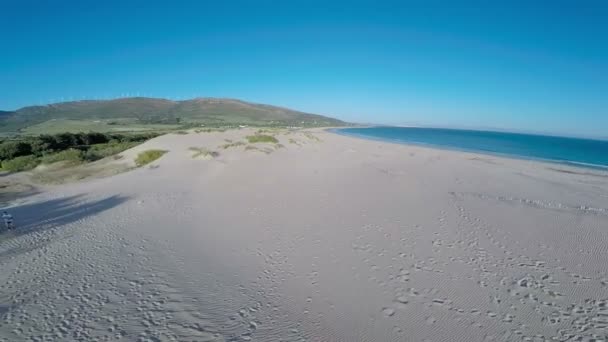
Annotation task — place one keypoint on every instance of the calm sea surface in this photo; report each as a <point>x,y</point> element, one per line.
<point>581,152</point>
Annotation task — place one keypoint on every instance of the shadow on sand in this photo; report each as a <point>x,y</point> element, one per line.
<point>40,216</point>
<point>10,193</point>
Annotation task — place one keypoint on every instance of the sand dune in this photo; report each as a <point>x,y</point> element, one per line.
<point>321,238</point>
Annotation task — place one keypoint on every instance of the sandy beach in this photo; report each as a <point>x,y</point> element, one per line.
<point>321,238</point>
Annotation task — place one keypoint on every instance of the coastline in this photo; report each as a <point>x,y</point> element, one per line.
<point>569,163</point>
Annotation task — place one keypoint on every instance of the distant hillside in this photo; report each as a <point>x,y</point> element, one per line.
<point>140,110</point>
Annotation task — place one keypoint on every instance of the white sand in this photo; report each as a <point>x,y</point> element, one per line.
<point>338,240</point>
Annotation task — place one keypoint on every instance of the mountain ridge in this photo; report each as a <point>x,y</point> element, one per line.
<point>145,110</point>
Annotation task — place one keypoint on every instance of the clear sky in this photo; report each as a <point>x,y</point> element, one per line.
<point>521,65</point>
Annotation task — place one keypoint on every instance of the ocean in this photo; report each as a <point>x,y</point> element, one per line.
<point>575,151</point>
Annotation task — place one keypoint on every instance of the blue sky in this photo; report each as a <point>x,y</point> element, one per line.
<point>520,65</point>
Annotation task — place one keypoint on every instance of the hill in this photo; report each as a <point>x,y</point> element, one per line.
<point>142,111</point>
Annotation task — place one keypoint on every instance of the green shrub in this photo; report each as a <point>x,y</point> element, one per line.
<point>146,157</point>
<point>71,155</point>
<point>22,163</point>
<point>262,138</point>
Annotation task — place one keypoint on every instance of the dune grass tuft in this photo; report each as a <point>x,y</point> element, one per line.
<point>232,144</point>
<point>294,141</point>
<point>146,157</point>
<point>203,152</point>
<point>311,136</point>
<point>210,130</point>
<point>261,138</point>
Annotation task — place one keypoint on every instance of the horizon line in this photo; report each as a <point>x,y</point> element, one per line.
<point>422,125</point>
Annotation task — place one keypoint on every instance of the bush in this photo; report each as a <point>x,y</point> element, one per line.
<point>262,138</point>
<point>71,155</point>
<point>22,163</point>
<point>146,157</point>
<point>13,149</point>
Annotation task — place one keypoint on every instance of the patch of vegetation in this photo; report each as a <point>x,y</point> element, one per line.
<point>93,153</point>
<point>254,148</point>
<point>294,141</point>
<point>71,147</point>
<point>203,152</point>
<point>210,130</point>
<point>56,126</point>
<point>45,144</point>
<point>261,138</point>
<point>18,164</point>
<point>59,174</point>
<point>311,136</point>
<point>146,157</point>
<point>73,156</point>
<point>13,149</point>
<point>100,151</point>
<point>273,130</point>
<point>234,144</point>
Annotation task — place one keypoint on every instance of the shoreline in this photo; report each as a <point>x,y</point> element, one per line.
<point>603,169</point>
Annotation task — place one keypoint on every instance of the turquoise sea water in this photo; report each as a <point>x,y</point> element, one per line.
<point>581,152</point>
